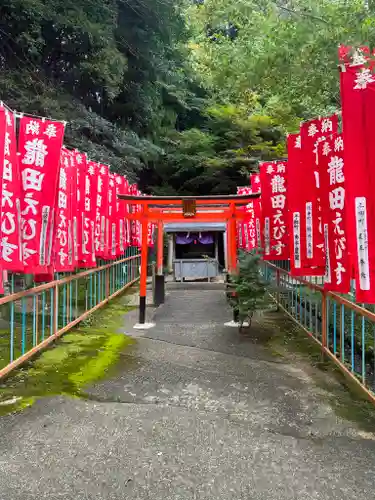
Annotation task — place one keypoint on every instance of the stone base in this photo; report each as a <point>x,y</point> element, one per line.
<point>235,324</point>
<point>143,326</point>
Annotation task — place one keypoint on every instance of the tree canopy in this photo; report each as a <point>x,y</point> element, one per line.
<point>183,96</point>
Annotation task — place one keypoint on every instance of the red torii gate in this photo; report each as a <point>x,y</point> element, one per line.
<point>159,210</point>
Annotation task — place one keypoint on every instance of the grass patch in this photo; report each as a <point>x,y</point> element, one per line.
<point>85,355</point>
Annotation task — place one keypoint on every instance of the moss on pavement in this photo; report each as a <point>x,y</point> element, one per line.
<point>79,358</point>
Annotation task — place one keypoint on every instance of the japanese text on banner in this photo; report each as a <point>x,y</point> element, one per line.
<point>101,237</point>
<point>358,109</point>
<point>274,210</point>
<point>11,244</point>
<point>312,248</point>
<point>333,203</point>
<point>63,247</point>
<point>40,143</point>
<point>257,204</point>
<point>249,221</point>
<point>89,215</point>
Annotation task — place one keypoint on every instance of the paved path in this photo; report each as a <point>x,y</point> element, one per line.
<point>194,412</point>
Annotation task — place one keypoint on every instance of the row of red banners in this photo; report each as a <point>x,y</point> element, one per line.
<point>317,208</point>
<point>59,210</point>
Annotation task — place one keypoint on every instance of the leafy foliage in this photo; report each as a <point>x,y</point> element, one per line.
<point>184,96</point>
<point>218,156</point>
<point>107,67</point>
<point>284,59</point>
<point>249,285</point>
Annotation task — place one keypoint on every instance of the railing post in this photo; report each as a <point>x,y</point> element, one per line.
<point>324,320</point>
<point>107,290</point>
<point>56,309</point>
<point>277,289</point>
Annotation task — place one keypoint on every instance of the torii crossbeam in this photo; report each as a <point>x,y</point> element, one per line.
<point>158,210</point>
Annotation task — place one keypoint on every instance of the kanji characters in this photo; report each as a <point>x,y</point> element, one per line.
<point>327,125</point>
<point>62,200</point>
<point>33,128</point>
<point>32,179</point>
<point>339,144</point>
<point>7,144</point>
<point>326,149</point>
<point>337,199</point>
<point>278,201</point>
<point>63,179</point>
<point>8,170</point>
<point>312,130</point>
<point>51,130</point>
<point>87,185</point>
<point>358,58</point>
<point>363,79</point>
<point>278,184</point>
<point>36,151</point>
<point>335,170</point>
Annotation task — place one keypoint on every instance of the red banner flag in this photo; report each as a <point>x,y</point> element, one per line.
<point>11,244</point>
<point>40,143</point>
<point>89,215</point>
<point>80,161</point>
<point>63,247</point>
<point>101,209</point>
<point>274,210</point>
<point>333,190</point>
<point>111,217</point>
<point>251,226</point>
<point>150,234</point>
<point>358,109</point>
<point>135,226</point>
<point>257,203</point>
<point>249,230</point>
<point>75,201</point>
<point>295,181</point>
<point>242,235</point>
<point>120,216</point>
<point>312,238</point>
<point>125,210</point>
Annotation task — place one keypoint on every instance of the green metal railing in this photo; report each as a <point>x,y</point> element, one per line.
<point>31,319</point>
<point>345,330</point>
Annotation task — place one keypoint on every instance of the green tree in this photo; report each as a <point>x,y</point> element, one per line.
<point>284,57</point>
<point>113,69</point>
<point>250,287</point>
<point>217,157</point>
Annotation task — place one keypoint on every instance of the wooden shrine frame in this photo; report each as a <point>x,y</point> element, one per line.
<point>159,210</point>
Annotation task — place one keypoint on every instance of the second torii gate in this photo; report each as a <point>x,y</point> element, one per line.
<point>159,210</point>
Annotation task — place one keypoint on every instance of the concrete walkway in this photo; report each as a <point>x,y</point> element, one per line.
<point>195,412</point>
